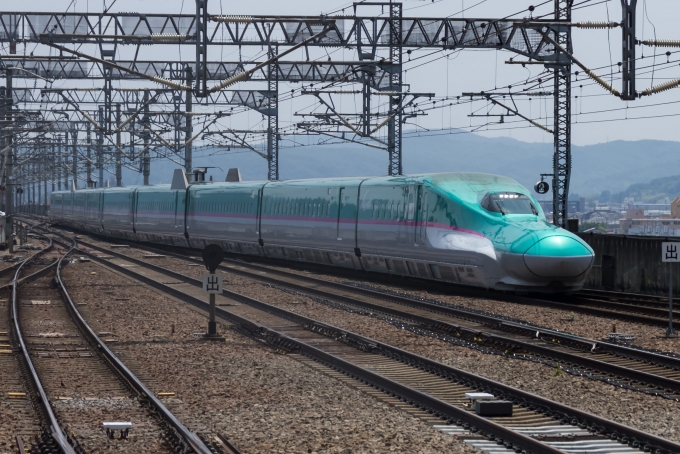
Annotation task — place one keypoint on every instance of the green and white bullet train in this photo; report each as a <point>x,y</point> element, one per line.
<point>466,228</point>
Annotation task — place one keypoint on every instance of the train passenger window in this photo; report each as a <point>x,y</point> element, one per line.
<point>509,203</point>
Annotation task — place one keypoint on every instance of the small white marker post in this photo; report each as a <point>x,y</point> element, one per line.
<point>669,254</point>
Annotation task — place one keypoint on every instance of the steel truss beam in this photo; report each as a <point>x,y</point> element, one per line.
<point>518,36</point>
<point>285,71</point>
<point>254,99</point>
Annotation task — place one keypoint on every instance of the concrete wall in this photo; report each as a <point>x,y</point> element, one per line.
<point>630,263</point>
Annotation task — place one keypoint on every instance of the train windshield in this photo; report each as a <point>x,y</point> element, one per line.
<point>509,203</point>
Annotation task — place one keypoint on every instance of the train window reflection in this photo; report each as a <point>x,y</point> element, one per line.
<point>509,203</point>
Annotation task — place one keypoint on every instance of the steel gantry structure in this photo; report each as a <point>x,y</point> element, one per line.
<point>379,42</point>
<point>364,33</point>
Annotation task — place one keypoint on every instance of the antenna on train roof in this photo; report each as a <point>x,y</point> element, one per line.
<point>179,180</point>
<point>234,176</point>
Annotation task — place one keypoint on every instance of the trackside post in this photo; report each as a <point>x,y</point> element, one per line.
<point>670,253</point>
<point>212,284</point>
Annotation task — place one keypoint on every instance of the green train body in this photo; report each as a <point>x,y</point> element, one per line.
<point>467,228</point>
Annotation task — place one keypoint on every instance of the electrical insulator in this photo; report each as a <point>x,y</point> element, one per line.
<point>167,37</point>
<point>231,81</point>
<point>661,87</point>
<point>234,19</point>
<point>597,24</point>
<point>602,82</point>
<point>662,43</point>
<point>170,83</point>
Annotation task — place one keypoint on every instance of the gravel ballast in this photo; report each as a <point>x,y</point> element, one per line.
<point>653,414</point>
<point>263,401</point>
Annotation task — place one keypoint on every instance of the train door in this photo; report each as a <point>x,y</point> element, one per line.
<point>421,216</point>
<point>101,210</point>
<point>410,213</point>
<point>135,198</point>
<point>177,214</point>
<point>258,202</point>
<point>341,198</point>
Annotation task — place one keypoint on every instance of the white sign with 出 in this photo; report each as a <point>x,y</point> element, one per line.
<point>212,283</point>
<point>670,252</point>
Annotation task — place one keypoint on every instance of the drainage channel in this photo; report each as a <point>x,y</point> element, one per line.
<point>537,425</point>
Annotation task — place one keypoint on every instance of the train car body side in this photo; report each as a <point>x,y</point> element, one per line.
<point>466,228</point>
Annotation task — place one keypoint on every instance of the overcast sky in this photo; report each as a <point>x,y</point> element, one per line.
<point>471,70</point>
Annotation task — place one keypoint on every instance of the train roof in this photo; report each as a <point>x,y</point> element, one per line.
<point>466,185</point>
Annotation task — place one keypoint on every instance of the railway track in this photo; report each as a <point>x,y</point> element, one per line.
<point>77,381</point>
<point>620,365</point>
<point>24,420</point>
<point>537,425</point>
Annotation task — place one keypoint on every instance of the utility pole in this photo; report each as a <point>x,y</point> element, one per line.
<point>9,188</point>
<point>394,136</point>
<point>146,158</point>
<point>53,160</point>
<point>273,117</point>
<point>65,169</point>
<point>119,154</point>
<point>31,175</point>
<point>628,62</point>
<point>562,114</point>
<point>37,184</point>
<point>189,129</point>
<point>201,88</point>
<point>88,163</point>
<point>74,164</point>
<point>100,148</point>
<point>45,163</point>
<point>58,160</point>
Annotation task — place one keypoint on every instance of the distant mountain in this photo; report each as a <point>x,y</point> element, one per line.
<point>654,192</point>
<point>612,166</point>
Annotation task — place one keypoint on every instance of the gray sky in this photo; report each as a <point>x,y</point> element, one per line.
<point>468,70</point>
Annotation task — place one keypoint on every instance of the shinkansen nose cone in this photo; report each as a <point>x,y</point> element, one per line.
<point>558,256</point>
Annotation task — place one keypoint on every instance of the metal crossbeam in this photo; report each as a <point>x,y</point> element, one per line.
<point>519,36</point>
<point>288,71</point>
<point>255,99</point>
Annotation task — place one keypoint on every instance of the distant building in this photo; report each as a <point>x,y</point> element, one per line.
<point>675,208</point>
<point>652,219</point>
<point>655,227</point>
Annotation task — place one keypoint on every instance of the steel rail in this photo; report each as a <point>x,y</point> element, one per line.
<point>576,303</point>
<point>528,330</point>
<point>189,437</point>
<point>551,336</point>
<point>563,412</point>
<point>56,431</point>
<point>655,312</point>
<point>394,388</point>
